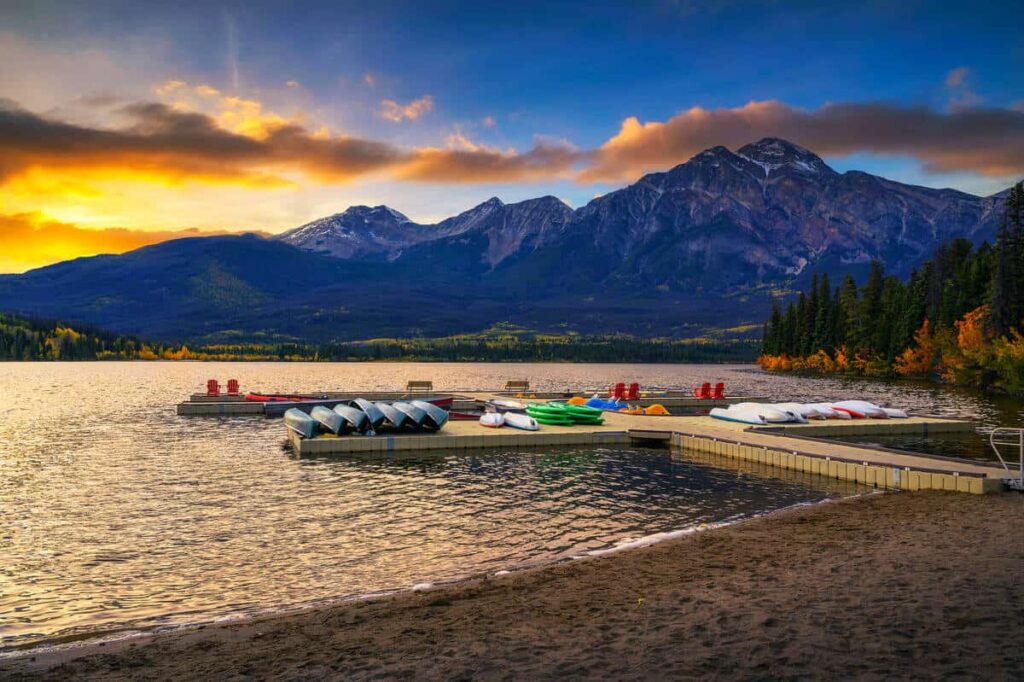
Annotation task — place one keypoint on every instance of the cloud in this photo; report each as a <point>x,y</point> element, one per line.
<point>162,143</point>
<point>488,121</point>
<point>30,240</point>
<point>393,111</point>
<point>292,84</point>
<point>961,94</point>
<point>369,79</point>
<point>200,134</point>
<point>544,161</point>
<point>957,76</point>
<point>980,140</point>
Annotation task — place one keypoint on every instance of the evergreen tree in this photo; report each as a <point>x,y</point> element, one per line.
<point>823,318</point>
<point>1008,270</point>
<point>849,314</point>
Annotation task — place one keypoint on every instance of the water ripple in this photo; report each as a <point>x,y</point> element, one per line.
<point>119,514</point>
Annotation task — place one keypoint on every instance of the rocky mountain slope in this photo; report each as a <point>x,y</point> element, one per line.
<point>704,244</point>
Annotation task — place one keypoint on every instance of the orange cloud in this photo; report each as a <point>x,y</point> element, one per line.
<point>393,111</point>
<point>985,141</point>
<point>243,145</point>
<point>30,240</point>
<point>483,164</point>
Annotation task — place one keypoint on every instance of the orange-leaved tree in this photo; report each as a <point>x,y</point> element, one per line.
<point>920,359</point>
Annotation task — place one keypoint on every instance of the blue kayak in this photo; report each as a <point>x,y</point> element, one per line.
<point>609,405</point>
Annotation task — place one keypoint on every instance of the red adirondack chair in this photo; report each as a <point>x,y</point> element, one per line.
<point>232,386</point>
<point>719,391</point>
<point>212,387</point>
<point>634,392</point>
<point>704,392</point>
<point>618,391</point>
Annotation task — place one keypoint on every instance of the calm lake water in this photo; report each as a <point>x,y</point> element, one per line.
<point>118,514</point>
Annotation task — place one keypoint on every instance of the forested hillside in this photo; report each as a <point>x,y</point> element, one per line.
<point>958,318</point>
<point>23,339</point>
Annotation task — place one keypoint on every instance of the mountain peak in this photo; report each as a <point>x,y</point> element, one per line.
<point>772,153</point>
<point>381,211</point>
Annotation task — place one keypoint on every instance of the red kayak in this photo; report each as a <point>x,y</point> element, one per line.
<point>464,416</point>
<point>257,398</point>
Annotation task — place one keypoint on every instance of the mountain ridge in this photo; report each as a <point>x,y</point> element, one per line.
<point>705,244</point>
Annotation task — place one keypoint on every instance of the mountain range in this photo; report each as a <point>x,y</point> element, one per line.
<point>703,245</point>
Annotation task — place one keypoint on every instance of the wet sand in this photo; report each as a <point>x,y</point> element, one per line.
<point>887,586</point>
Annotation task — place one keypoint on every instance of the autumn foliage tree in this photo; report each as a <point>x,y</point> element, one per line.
<point>959,317</point>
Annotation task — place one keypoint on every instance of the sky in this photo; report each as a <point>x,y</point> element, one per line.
<point>127,123</point>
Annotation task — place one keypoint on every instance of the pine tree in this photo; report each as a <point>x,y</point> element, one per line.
<point>869,332</point>
<point>1008,270</point>
<point>822,338</point>
<point>849,314</point>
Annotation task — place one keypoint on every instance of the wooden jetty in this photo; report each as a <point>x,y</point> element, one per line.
<point>791,447</point>
<point>203,405</point>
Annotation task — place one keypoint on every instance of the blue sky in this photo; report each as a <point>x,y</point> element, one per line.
<point>502,79</point>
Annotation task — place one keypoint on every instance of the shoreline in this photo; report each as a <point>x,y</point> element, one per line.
<point>66,646</point>
<point>791,567</point>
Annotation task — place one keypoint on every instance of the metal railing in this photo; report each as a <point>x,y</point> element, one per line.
<point>1013,439</point>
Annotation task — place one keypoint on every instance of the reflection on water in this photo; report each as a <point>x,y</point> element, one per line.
<point>119,513</point>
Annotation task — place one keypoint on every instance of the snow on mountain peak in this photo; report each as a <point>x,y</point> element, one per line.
<point>772,153</point>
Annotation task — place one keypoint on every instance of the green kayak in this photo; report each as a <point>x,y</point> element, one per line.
<point>553,421</point>
<point>564,415</point>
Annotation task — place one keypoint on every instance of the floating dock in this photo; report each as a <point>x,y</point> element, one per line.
<point>203,405</point>
<point>791,447</point>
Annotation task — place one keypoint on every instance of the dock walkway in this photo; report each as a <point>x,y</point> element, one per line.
<point>202,405</point>
<point>773,446</point>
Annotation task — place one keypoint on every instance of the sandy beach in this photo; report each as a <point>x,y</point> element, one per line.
<point>885,586</point>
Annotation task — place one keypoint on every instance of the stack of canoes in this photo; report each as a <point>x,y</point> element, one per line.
<point>771,413</point>
<point>366,417</point>
<point>564,414</point>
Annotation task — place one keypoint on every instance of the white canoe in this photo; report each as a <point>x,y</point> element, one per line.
<point>864,407</point>
<point>805,411</point>
<point>829,412</point>
<point>521,421</point>
<point>895,413</point>
<point>741,416</point>
<point>770,413</point>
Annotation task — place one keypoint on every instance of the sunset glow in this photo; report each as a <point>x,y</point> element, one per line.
<point>110,143</point>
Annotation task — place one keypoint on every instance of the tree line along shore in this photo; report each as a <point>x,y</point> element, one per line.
<point>957,319</point>
<point>25,339</point>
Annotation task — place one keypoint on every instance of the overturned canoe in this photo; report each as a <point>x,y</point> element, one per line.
<point>301,423</point>
<point>436,417</point>
<point>770,413</point>
<point>394,416</point>
<point>506,405</point>
<point>328,418</point>
<point>802,409</point>
<point>357,419</point>
<point>415,415</point>
<point>740,416</point>
<point>829,412</point>
<point>371,411</point>
<point>863,407</point>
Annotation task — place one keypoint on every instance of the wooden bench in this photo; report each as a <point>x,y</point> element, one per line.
<point>419,387</point>
<point>521,385</point>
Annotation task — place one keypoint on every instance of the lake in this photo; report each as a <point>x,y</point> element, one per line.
<point>120,515</point>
